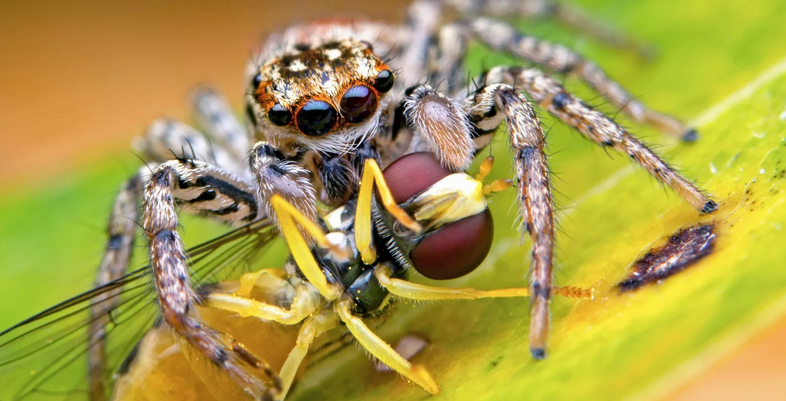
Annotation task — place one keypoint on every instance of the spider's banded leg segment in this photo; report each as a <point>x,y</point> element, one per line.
<point>117,256</point>
<point>603,130</point>
<point>165,139</point>
<point>214,115</point>
<point>420,292</point>
<point>382,350</point>
<point>175,294</point>
<point>312,328</point>
<point>527,140</point>
<point>546,9</point>
<point>373,175</point>
<point>290,220</point>
<point>503,37</point>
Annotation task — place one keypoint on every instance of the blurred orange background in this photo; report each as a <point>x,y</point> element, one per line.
<point>79,79</point>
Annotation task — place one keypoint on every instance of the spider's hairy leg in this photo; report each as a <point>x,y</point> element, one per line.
<point>440,126</point>
<point>165,139</point>
<point>170,269</point>
<point>381,350</point>
<point>601,129</point>
<point>502,36</point>
<point>215,117</point>
<point>534,192</point>
<point>547,9</point>
<point>117,256</point>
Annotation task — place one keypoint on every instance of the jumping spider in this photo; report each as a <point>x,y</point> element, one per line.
<point>332,101</point>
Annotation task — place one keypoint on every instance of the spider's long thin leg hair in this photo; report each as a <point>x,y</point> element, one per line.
<point>167,185</point>
<point>165,139</point>
<point>545,9</point>
<point>503,37</point>
<point>117,257</point>
<point>215,117</point>
<point>599,128</point>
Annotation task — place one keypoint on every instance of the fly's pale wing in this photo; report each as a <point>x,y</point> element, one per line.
<point>45,357</point>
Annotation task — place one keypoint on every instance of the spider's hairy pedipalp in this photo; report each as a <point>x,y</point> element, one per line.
<point>276,175</point>
<point>440,126</point>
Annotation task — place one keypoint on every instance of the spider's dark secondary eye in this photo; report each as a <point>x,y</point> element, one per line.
<point>358,103</point>
<point>384,81</point>
<point>257,80</point>
<point>453,250</point>
<point>316,118</point>
<point>279,115</point>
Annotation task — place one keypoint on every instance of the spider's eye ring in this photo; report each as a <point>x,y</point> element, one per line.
<point>384,81</point>
<point>316,118</point>
<point>279,115</point>
<point>358,103</point>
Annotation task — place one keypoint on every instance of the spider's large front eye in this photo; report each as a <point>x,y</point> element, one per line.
<point>358,103</point>
<point>316,118</point>
<point>279,115</point>
<point>384,81</point>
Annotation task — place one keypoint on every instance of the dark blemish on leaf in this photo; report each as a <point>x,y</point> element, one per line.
<point>493,364</point>
<point>683,249</point>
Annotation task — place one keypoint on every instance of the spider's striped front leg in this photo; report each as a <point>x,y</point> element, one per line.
<point>212,192</point>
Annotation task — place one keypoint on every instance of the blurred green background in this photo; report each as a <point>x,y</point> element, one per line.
<point>80,79</point>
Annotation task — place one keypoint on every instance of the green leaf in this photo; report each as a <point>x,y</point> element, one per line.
<point>718,66</point>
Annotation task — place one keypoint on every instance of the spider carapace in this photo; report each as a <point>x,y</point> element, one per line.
<point>328,105</point>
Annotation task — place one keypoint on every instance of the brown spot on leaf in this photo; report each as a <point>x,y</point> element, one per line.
<point>683,249</point>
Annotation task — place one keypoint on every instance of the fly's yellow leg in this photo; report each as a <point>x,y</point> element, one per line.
<point>312,328</point>
<point>373,175</point>
<point>382,351</point>
<point>269,279</point>
<point>420,292</point>
<point>494,186</point>
<point>303,305</point>
<point>288,219</point>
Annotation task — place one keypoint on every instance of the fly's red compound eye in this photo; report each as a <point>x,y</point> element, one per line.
<point>453,250</point>
<point>456,249</point>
